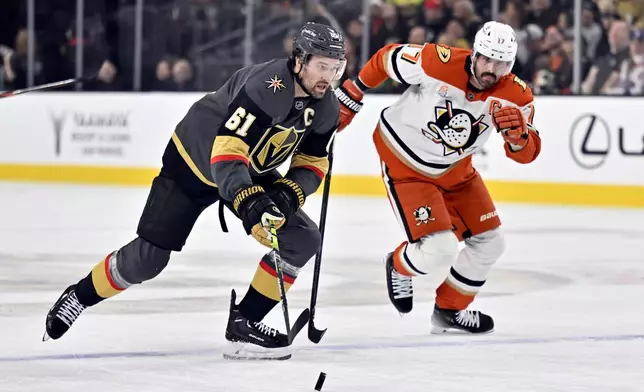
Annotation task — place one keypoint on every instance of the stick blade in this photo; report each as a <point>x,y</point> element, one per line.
<point>300,323</point>
<point>315,335</point>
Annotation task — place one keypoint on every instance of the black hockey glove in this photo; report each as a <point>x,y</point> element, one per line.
<point>257,211</point>
<point>287,195</point>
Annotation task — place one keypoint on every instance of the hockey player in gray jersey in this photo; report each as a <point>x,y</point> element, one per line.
<point>227,149</point>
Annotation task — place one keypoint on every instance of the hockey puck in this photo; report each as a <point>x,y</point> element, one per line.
<point>321,378</point>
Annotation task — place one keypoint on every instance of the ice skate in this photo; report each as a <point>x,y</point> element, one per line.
<point>63,314</point>
<point>249,340</point>
<point>399,287</point>
<point>461,321</point>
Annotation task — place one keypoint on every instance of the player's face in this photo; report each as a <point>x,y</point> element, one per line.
<point>488,71</point>
<point>319,72</point>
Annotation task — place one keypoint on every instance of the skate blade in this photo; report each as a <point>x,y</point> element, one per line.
<point>455,331</point>
<point>45,337</point>
<point>241,351</point>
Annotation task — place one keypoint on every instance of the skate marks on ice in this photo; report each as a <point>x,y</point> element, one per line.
<point>464,341</point>
<point>194,282</point>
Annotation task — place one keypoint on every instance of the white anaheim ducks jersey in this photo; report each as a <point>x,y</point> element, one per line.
<point>440,120</point>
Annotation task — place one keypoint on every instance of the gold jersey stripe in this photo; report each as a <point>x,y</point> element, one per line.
<point>189,161</point>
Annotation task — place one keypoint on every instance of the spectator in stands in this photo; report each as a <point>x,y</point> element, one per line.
<point>164,73</point>
<point>287,41</point>
<point>463,11</point>
<point>388,30</point>
<point>604,74</point>
<point>14,63</point>
<point>174,74</point>
<point>530,42</point>
<point>455,33</point>
<point>182,75</point>
<point>591,30</point>
<point>434,19</point>
<point>631,11</point>
<point>352,68</point>
<point>554,66</point>
<point>632,70</point>
<point>409,14</point>
<point>354,33</point>
<point>542,14</point>
<point>417,35</point>
<point>608,13</point>
<point>514,14</point>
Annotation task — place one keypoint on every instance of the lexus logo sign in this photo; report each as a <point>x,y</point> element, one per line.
<point>590,141</point>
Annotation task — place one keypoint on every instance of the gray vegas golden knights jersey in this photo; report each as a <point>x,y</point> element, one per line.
<point>252,125</point>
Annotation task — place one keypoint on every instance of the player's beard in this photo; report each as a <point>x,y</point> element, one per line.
<point>317,88</point>
<point>487,79</point>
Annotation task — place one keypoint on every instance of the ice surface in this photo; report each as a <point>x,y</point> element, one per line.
<point>566,297</point>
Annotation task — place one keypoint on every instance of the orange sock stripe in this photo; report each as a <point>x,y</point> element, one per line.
<point>102,279</point>
<point>450,297</point>
<point>399,264</point>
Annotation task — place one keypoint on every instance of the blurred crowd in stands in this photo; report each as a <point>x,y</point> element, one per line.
<point>195,45</point>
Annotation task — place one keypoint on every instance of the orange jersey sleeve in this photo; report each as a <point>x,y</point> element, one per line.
<point>400,62</point>
<point>407,63</point>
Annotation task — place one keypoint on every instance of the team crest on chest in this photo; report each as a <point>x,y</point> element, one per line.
<point>275,146</point>
<point>455,129</point>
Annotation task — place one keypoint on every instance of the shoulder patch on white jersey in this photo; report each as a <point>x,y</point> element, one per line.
<point>444,53</point>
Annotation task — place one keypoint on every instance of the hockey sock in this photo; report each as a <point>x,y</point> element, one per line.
<point>101,283</point>
<point>459,288</point>
<point>263,293</point>
<point>401,261</point>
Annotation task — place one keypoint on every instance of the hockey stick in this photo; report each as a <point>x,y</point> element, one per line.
<point>315,335</point>
<point>303,318</point>
<point>47,86</point>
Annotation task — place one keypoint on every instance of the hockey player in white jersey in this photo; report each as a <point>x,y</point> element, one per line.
<point>456,98</point>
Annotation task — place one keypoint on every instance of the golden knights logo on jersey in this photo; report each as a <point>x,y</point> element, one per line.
<point>455,129</point>
<point>275,146</point>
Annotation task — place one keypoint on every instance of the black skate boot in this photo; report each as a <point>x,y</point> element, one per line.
<point>63,314</point>
<point>253,340</point>
<point>401,293</point>
<point>471,321</point>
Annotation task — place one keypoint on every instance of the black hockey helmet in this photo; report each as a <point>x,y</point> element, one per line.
<point>319,39</point>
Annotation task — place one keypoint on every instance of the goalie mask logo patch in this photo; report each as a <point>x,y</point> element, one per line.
<point>423,215</point>
<point>455,129</point>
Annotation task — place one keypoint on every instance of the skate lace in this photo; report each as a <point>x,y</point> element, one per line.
<point>401,285</point>
<point>70,309</point>
<point>266,330</point>
<point>468,318</point>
